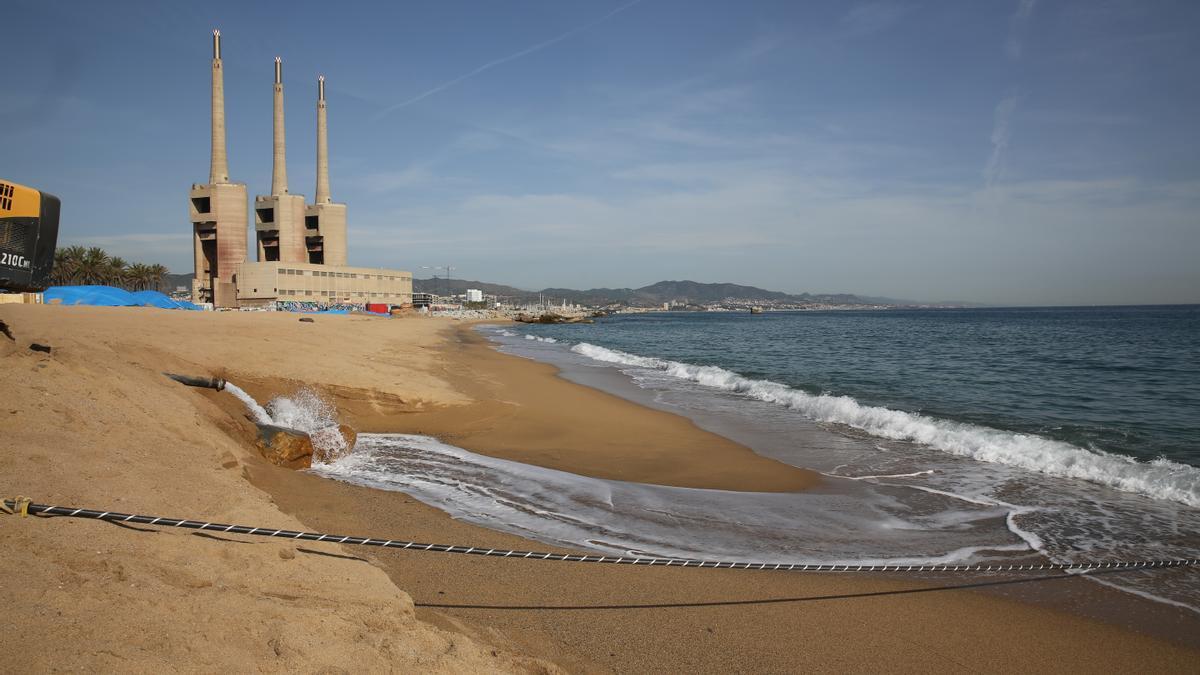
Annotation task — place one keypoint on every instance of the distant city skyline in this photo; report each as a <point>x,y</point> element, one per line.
<point>1026,152</point>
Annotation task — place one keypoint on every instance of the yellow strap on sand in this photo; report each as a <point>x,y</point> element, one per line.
<point>20,505</point>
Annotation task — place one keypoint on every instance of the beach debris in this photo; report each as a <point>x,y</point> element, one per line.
<point>307,319</point>
<point>7,333</point>
<point>202,382</point>
<point>40,348</point>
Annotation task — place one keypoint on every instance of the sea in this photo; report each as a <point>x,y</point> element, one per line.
<point>943,436</point>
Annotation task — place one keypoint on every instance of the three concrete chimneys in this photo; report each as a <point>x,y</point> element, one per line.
<point>286,229</point>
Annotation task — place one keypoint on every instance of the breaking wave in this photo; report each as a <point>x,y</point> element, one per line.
<point>1161,478</point>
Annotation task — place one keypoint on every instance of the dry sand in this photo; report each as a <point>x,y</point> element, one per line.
<point>95,425</point>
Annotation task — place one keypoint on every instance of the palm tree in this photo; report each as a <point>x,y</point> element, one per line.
<point>66,265</point>
<point>94,267</point>
<point>157,276</point>
<point>118,272</point>
<point>141,277</point>
<point>79,265</point>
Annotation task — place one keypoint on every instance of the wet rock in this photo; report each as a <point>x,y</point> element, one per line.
<point>297,450</point>
<point>285,447</point>
<point>39,348</point>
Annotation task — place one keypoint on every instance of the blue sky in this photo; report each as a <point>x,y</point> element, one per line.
<point>1007,152</point>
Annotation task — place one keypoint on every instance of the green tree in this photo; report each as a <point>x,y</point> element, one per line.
<point>94,267</point>
<point>157,275</point>
<point>78,265</point>
<point>66,265</point>
<point>118,273</point>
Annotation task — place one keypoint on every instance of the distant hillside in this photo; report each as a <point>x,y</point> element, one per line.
<point>696,293</point>
<point>439,286</point>
<point>173,281</point>
<point>654,295</point>
<point>647,296</point>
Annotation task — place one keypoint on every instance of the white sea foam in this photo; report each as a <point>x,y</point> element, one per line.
<point>865,525</point>
<point>540,339</point>
<point>1161,478</point>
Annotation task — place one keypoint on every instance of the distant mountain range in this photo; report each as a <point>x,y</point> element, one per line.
<point>675,292</point>
<point>654,295</point>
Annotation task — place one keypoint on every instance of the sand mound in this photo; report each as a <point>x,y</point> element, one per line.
<point>95,424</point>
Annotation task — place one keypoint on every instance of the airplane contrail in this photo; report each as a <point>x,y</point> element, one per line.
<point>506,59</point>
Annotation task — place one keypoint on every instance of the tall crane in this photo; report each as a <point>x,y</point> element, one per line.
<point>448,269</point>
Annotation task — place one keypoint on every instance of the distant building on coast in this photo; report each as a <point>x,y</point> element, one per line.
<point>474,295</point>
<point>301,249</point>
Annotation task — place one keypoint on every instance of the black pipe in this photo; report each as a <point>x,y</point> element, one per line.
<point>204,382</point>
<point>15,505</point>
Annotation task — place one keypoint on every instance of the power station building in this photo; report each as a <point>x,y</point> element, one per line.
<point>300,248</point>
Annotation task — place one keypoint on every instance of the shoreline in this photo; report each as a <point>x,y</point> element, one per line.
<point>588,618</point>
<point>520,410</point>
<point>385,513</point>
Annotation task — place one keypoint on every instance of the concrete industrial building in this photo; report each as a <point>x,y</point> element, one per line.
<point>218,210</point>
<point>301,249</point>
<point>268,282</point>
<point>279,216</point>
<point>325,220</point>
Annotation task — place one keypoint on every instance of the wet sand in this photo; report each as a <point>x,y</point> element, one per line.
<point>99,427</point>
<point>521,411</point>
<point>596,618</point>
<point>600,618</point>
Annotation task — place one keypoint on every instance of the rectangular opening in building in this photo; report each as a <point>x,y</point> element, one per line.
<point>201,204</point>
<point>266,215</point>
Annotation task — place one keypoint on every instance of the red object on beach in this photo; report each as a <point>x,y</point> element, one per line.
<point>377,308</point>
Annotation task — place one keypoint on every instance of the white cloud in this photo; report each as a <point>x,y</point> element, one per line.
<point>511,57</point>
<point>1000,138</point>
<point>769,225</point>
<point>1014,44</point>
<point>390,181</point>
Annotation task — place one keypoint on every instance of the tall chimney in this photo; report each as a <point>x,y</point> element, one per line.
<point>322,196</point>
<point>279,168</point>
<point>219,169</point>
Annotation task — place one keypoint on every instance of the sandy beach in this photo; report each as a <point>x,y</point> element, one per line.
<point>95,424</point>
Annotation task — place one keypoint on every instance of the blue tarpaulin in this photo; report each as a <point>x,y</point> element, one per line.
<point>108,296</point>
<point>156,299</point>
